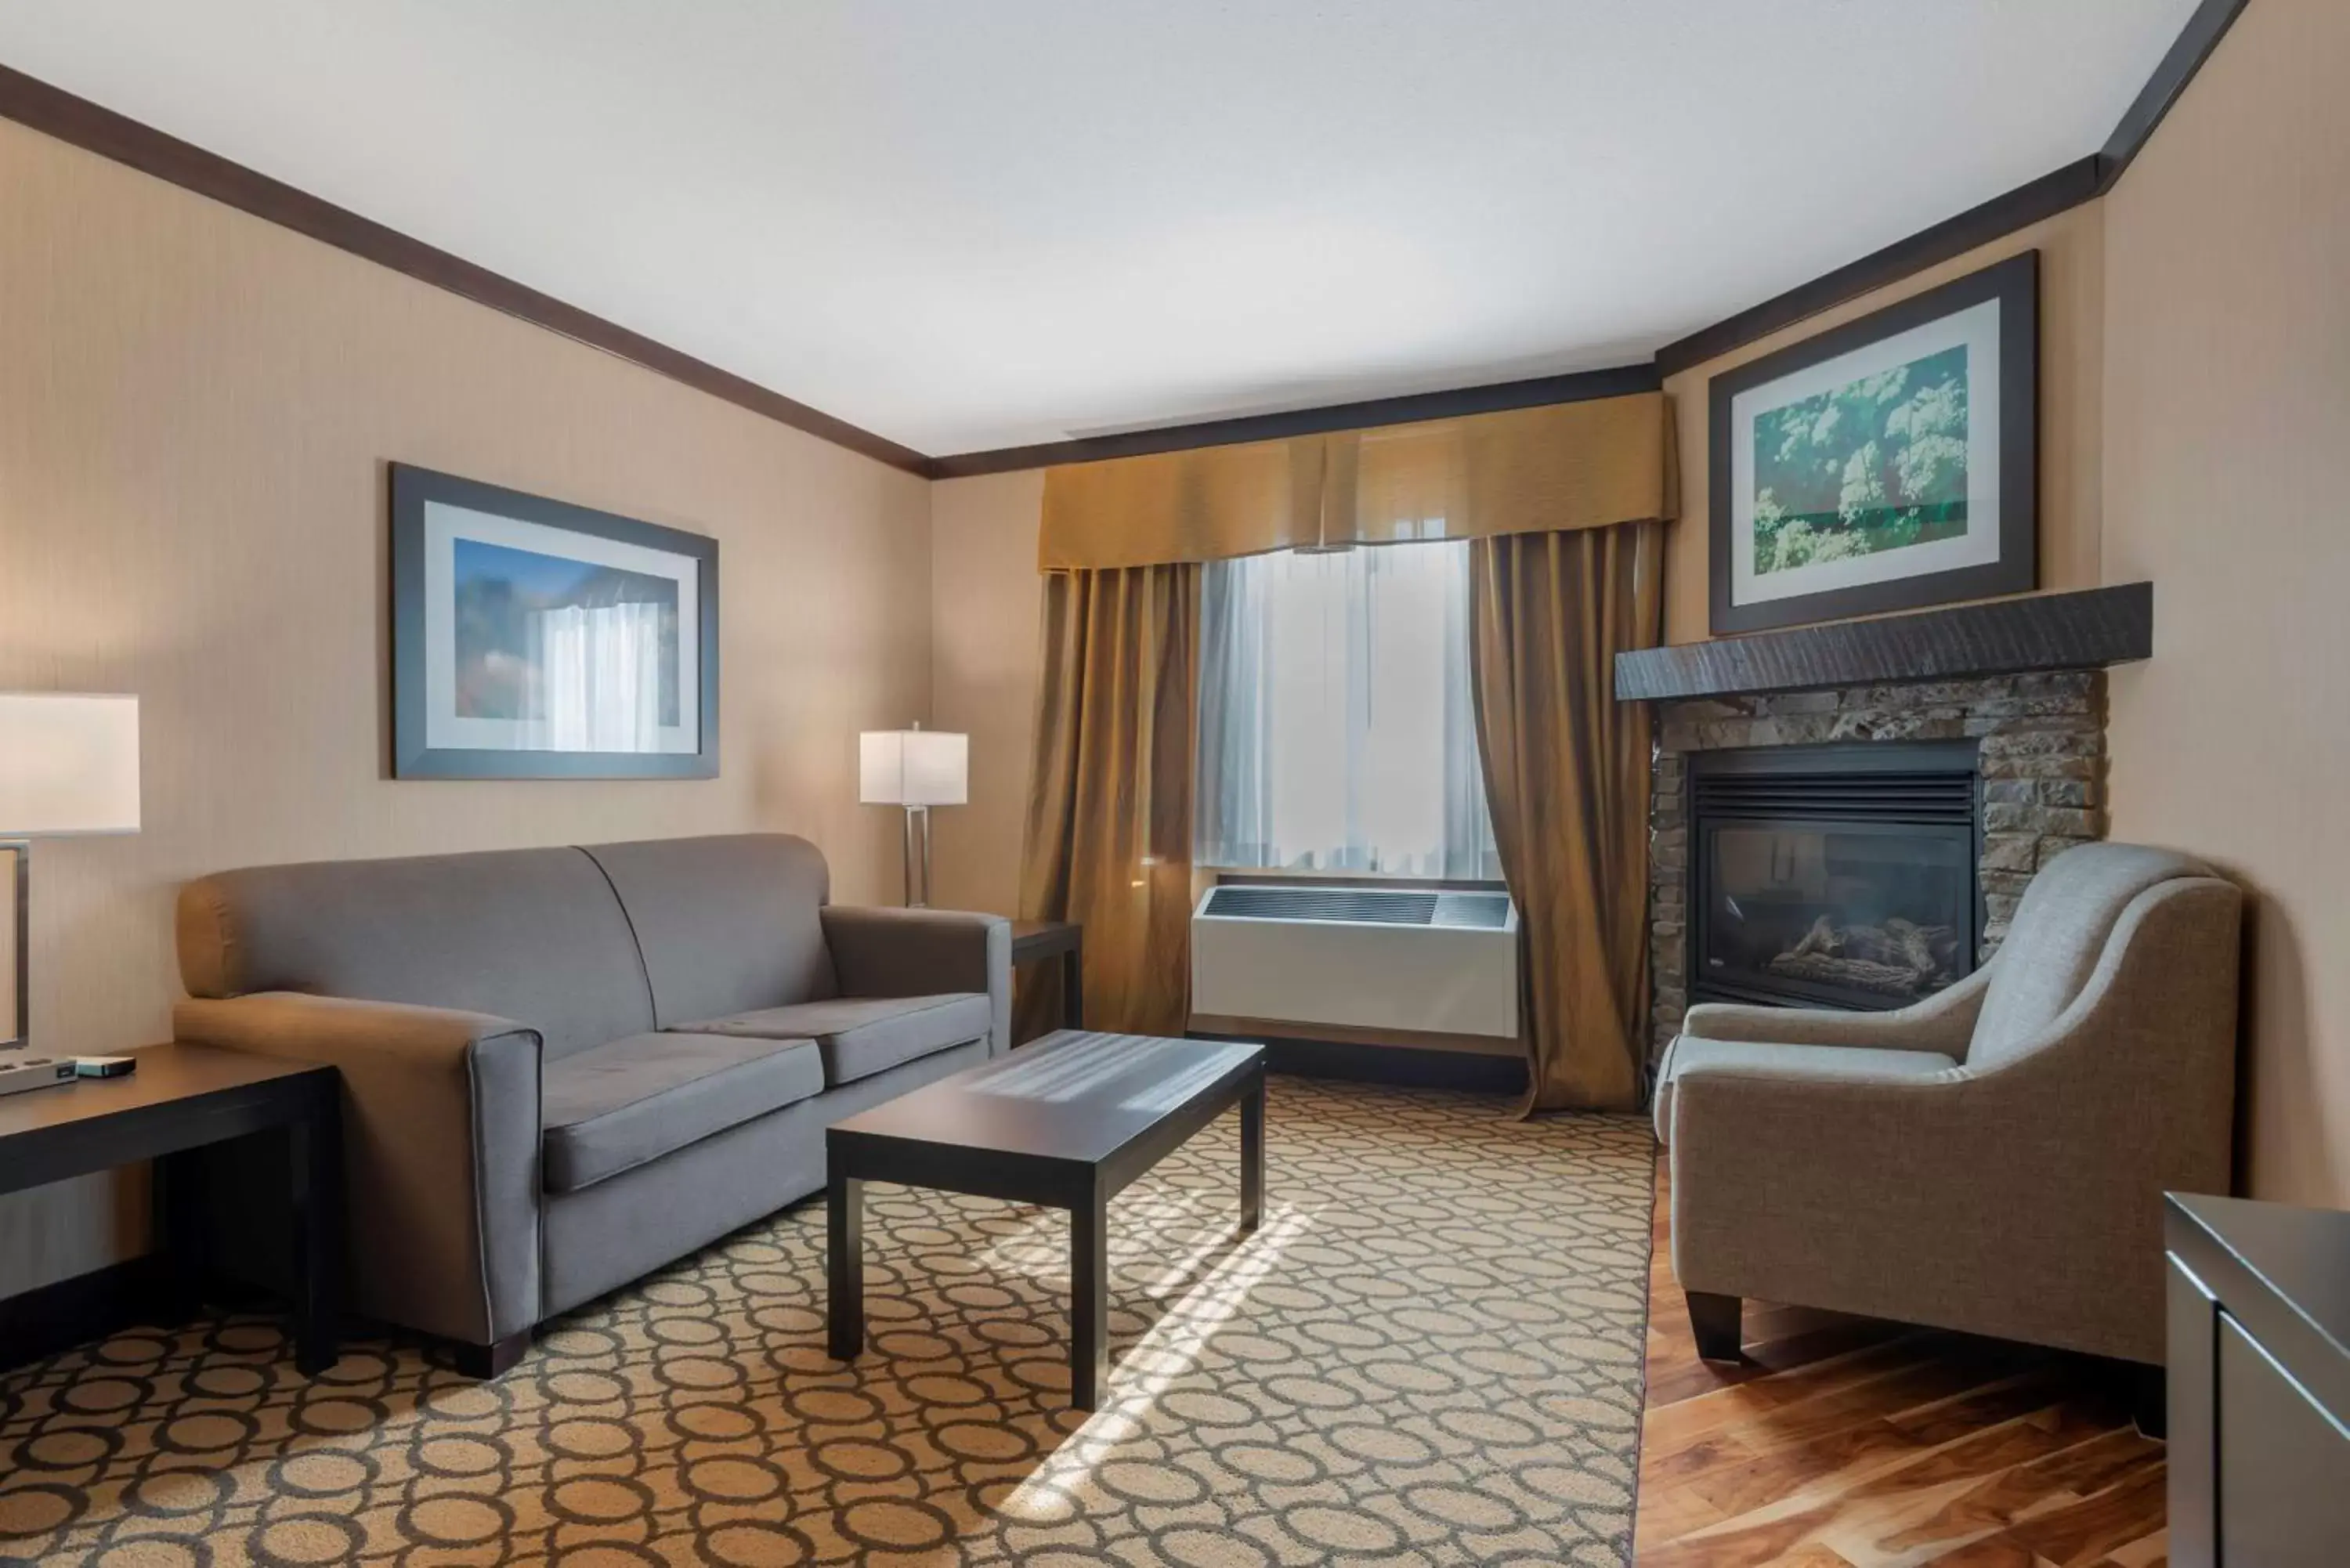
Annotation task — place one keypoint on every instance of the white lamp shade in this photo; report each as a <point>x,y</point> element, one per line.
<point>69,765</point>
<point>913,767</point>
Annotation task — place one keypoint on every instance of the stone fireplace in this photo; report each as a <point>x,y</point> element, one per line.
<point>1819,870</point>
<point>1833,875</point>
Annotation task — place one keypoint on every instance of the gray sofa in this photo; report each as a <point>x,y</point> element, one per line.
<point>1991,1159</point>
<point>564,1068</point>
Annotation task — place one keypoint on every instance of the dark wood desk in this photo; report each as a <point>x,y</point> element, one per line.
<point>183,1098</point>
<point>1033,941</point>
<point>1066,1122</point>
<point>2258,1383</point>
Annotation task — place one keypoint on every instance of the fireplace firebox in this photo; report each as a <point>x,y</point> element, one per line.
<point>1835,876</point>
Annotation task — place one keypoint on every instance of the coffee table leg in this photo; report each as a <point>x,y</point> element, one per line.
<point>1089,1302</point>
<point>845,1261</point>
<point>1073,984</point>
<point>1252,1155</point>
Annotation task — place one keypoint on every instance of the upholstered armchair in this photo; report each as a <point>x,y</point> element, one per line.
<point>1991,1159</point>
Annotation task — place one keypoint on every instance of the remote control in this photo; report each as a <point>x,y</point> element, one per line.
<point>33,1073</point>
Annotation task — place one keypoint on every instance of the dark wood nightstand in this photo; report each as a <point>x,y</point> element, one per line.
<point>1033,941</point>
<point>2260,1384</point>
<point>184,1098</point>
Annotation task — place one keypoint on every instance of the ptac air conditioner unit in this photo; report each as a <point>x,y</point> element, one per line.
<point>1387,962</point>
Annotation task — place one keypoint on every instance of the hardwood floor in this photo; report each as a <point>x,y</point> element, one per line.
<point>1849,1443</point>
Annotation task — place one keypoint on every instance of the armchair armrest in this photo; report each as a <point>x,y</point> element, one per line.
<point>440,1140</point>
<point>1943,1023</point>
<point>880,952</point>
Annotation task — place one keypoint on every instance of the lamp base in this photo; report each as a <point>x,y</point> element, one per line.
<point>918,858</point>
<point>15,942</point>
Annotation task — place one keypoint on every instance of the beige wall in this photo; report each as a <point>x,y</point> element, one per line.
<point>195,410</point>
<point>2072,327</point>
<point>985,595</point>
<point>2227,441</point>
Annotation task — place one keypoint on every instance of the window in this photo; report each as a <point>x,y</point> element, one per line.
<point>1336,732</point>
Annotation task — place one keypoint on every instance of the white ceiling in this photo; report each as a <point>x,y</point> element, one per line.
<point>969,224</point>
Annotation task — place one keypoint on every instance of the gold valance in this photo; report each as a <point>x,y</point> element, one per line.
<point>1556,468</point>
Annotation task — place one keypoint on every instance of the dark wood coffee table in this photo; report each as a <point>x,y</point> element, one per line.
<point>1066,1122</point>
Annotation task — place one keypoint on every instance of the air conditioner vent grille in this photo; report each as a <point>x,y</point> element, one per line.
<point>1478,911</point>
<point>1360,906</point>
<point>1255,901</point>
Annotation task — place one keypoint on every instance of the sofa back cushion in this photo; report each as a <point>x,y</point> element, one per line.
<point>534,935</point>
<point>2058,935</point>
<point>727,924</point>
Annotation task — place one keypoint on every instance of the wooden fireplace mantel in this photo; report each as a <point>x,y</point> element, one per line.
<point>2086,629</point>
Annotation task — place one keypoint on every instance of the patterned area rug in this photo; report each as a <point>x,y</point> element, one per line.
<point>1430,1354</point>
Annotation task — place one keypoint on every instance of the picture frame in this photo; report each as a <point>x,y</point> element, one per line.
<point>531,639</point>
<point>1887,465</point>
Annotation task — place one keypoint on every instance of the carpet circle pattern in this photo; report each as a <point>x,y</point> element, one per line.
<point>1429,1353</point>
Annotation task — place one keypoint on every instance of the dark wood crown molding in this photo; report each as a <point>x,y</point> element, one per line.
<point>2001,215</point>
<point>87,125</point>
<point>57,113</point>
<point>2082,179</point>
<point>2205,27</point>
<point>1578,387</point>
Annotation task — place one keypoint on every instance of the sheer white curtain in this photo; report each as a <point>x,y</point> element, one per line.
<point>1335,730</point>
<point>600,670</point>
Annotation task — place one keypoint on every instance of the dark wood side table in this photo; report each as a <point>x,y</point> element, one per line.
<point>1066,1122</point>
<point>1034,941</point>
<point>2260,1384</point>
<point>183,1098</point>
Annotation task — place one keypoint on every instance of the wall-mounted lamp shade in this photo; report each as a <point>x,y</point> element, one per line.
<point>69,765</point>
<point>913,767</point>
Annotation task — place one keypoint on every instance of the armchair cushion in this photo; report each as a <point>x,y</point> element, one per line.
<point>1828,1064</point>
<point>861,1035</point>
<point>619,1106</point>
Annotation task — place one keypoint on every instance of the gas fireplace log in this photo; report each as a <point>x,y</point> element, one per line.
<point>1899,958</point>
<point>1862,974</point>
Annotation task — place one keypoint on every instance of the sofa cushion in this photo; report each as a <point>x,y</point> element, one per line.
<point>2057,937</point>
<point>862,1036</point>
<point>534,935</point>
<point>618,1105</point>
<point>728,924</point>
<point>1830,1062</point>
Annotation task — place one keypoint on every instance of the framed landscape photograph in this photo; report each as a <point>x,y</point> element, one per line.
<point>1887,464</point>
<point>531,639</point>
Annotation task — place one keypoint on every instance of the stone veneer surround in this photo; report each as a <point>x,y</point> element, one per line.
<point>2042,763</point>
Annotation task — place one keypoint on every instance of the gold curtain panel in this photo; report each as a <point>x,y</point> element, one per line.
<point>1555,469</point>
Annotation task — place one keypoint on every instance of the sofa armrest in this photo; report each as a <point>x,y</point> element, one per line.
<point>881,951</point>
<point>1942,1023</point>
<point>440,1140</point>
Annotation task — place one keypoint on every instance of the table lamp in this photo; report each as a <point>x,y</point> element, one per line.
<point>68,766</point>
<point>917,769</point>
